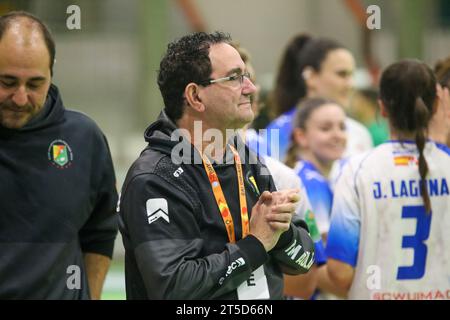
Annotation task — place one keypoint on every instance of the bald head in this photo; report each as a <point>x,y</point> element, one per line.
<point>26,31</point>
<point>26,58</point>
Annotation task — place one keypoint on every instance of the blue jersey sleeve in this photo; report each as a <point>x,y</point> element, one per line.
<point>320,255</point>
<point>319,194</point>
<point>344,233</point>
<point>278,135</point>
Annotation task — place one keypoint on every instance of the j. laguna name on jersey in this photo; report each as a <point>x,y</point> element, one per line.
<point>410,188</point>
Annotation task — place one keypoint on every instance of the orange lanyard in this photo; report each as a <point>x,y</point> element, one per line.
<point>220,197</point>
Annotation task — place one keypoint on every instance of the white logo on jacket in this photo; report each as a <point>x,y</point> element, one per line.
<point>239,262</point>
<point>178,172</point>
<point>157,208</point>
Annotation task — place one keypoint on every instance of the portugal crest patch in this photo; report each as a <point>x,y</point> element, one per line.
<point>60,154</point>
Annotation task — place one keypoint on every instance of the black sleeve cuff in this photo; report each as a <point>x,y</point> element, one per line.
<point>285,239</point>
<point>253,251</point>
<point>104,248</point>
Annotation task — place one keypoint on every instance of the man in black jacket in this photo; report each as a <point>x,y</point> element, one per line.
<point>57,187</point>
<point>199,215</point>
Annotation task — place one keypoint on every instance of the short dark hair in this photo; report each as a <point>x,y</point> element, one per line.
<point>7,19</point>
<point>186,60</point>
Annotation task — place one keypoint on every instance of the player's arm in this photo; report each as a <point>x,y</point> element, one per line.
<point>341,274</point>
<point>344,234</point>
<point>97,266</point>
<point>302,285</point>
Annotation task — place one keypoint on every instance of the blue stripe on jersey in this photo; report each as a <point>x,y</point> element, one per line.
<point>318,191</point>
<point>284,124</point>
<point>320,256</point>
<point>443,147</point>
<point>343,236</point>
<point>401,141</point>
<point>256,143</point>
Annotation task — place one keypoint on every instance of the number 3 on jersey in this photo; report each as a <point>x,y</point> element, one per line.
<point>416,242</point>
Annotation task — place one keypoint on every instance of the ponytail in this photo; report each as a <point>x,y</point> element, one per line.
<point>301,52</point>
<point>289,85</point>
<point>421,115</point>
<point>408,91</point>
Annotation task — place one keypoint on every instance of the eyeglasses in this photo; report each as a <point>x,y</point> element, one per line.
<point>238,77</point>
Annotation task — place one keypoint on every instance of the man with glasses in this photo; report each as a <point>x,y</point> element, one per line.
<point>198,218</point>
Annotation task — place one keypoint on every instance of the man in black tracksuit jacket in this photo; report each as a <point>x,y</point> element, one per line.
<point>189,257</point>
<point>175,240</point>
<point>57,185</point>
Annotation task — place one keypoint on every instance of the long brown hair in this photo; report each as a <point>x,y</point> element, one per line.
<point>442,71</point>
<point>301,52</point>
<point>408,91</point>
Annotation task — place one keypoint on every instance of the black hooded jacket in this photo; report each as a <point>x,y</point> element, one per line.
<point>57,201</point>
<point>175,240</point>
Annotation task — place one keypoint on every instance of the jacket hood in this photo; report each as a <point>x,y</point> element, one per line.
<point>51,113</point>
<point>158,134</point>
<point>161,136</point>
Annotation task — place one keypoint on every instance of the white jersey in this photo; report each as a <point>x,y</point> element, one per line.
<point>380,227</point>
<point>358,138</point>
<point>276,145</point>
<point>286,178</point>
<point>283,176</point>
<point>358,141</point>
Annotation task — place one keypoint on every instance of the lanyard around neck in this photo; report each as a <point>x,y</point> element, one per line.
<point>220,197</point>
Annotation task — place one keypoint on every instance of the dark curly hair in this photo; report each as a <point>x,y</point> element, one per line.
<point>186,61</point>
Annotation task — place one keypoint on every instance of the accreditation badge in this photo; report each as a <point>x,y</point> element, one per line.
<point>255,287</point>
